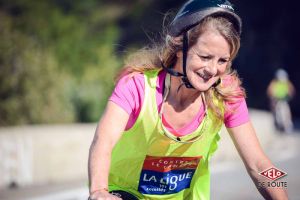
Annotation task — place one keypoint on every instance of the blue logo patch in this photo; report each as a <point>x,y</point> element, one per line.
<point>167,175</point>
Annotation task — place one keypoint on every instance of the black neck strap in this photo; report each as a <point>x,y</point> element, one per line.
<point>171,71</point>
<point>184,78</point>
<point>185,48</point>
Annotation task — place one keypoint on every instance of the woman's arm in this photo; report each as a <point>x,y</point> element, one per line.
<point>247,144</point>
<point>108,132</point>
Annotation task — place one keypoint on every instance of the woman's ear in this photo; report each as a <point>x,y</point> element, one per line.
<point>228,67</point>
<point>179,54</point>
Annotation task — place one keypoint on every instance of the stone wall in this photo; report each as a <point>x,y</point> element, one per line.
<point>44,154</point>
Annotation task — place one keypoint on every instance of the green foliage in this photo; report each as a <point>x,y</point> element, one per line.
<point>97,81</point>
<point>31,88</point>
<point>57,60</point>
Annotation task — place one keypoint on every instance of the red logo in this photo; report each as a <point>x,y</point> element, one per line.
<point>165,164</point>
<point>273,173</point>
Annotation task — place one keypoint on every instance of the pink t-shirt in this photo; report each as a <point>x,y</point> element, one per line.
<point>129,95</point>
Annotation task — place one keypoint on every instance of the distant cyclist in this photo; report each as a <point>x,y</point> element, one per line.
<point>280,91</point>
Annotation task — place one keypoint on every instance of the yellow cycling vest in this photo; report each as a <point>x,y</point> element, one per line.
<point>148,164</point>
<point>280,89</point>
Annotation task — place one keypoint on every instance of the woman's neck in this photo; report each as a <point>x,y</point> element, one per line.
<point>181,96</point>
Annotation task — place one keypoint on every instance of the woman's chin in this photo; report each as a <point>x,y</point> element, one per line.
<point>202,87</point>
<point>201,84</point>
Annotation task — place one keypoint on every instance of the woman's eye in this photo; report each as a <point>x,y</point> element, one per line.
<point>205,57</point>
<point>222,61</point>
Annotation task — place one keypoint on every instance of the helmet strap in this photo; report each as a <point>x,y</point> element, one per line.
<point>185,48</point>
<point>172,72</point>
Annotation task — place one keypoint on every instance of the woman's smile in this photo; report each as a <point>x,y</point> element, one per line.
<point>205,77</point>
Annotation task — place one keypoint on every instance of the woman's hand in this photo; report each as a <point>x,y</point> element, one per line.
<point>103,195</point>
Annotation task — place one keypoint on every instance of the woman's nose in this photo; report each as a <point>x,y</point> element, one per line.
<point>211,68</point>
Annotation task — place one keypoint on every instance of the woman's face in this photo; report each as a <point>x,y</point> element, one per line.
<point>207,60</point>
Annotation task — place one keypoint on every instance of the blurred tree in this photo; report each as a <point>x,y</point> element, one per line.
<point>31,89</point>
<point>56,56</point>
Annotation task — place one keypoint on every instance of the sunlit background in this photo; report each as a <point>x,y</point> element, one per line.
<point>58,60</point>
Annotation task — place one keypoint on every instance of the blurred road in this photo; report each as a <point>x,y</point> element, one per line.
<point>230,180</point>
<point>229,177</point>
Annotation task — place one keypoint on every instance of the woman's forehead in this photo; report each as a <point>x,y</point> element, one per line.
<point>212,41</point>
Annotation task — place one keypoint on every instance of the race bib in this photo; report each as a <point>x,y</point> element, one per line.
<point>167,175</point>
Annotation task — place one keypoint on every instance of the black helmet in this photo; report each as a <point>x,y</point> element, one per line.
<point>193,11</point>
<point>190,14</point>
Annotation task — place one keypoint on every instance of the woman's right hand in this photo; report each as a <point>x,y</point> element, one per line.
<point>103,195</point>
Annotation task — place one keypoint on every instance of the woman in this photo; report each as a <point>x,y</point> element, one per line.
<point>161,124</point>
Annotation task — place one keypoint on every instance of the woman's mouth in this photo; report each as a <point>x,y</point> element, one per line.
<point>203,76</point>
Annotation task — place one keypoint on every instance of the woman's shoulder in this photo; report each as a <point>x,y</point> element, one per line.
<point>131,77</point>
<point>229,80</point>
<point>129,92</point>
<point>235,92</point>
<point>139,77</point>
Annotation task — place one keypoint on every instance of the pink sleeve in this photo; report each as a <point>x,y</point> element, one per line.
<point>236,113</point>
<point>129,95</point>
